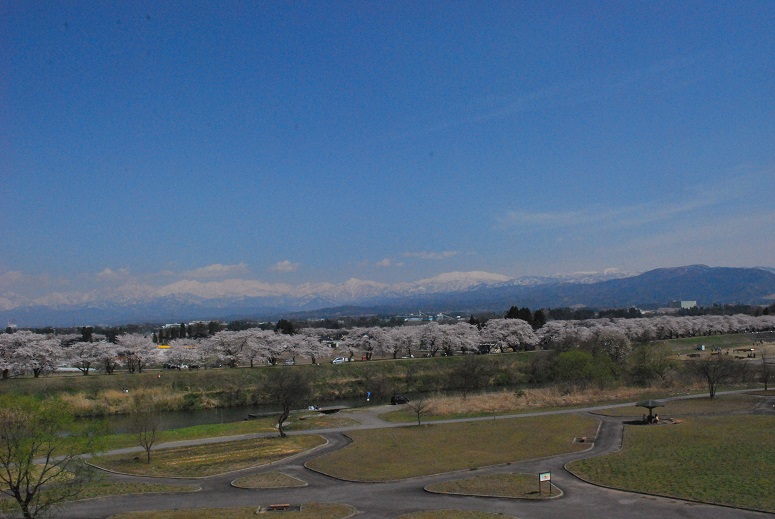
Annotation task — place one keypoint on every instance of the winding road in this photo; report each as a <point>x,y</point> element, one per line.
<point>392,499</point>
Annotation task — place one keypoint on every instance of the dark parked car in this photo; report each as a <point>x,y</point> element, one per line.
<point>398,399</point>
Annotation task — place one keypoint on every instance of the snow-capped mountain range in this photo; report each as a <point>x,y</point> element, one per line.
<point>136,300</point>
<point>190,299</point>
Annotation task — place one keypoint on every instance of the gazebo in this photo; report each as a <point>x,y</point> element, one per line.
<point>650,404</point>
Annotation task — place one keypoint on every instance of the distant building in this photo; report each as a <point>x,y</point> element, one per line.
<point>683,304</point>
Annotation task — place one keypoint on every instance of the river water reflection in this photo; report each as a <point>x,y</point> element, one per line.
<point>119,424</point>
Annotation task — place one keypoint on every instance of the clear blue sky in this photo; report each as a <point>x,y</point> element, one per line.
<point>294,142</point>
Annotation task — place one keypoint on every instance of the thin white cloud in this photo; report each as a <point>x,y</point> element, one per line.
<point>623,217</point>
<point>11,277</point>
<point>108,274</point>
<point>731,240</point>
<point>225,288</point>
<point>285,266</point>
<point>217,270</point>
<point>660,76</point>
<point>388,262</point>
<point>431,255</point>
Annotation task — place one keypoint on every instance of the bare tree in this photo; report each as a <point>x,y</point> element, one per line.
<point>289,388</point>
<point>39,455</point>
<point>651,360</point>
<point>469,374</point>
<point>146,422</point>
<point>766,374</point>
<point>420,408</point>
<point>715,369</point>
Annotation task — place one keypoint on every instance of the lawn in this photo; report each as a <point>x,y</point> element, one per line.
<point>515,486</point>
<point>210,459</point>
<point>690,344</point>
<point>297,422</point>
<point>268,480</point>
<point>108,488</point>
<point>679,409</point>
<point>726,460</point>
<point>405,452</point>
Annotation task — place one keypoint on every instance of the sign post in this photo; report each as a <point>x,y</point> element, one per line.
<point>545,476</point>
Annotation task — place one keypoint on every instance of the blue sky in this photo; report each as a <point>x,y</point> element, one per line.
<point>300,142</point>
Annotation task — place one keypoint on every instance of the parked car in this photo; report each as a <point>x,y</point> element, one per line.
<point>290,362</point>
<point>398,399</point>
<point>339,360</point>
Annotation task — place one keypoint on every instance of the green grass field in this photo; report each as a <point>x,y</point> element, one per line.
<point>210,459</point>
<point>726,460</point>
<point>297,422</point>
<point>268,480</point>
<point>690,344</point>
<point>514,486</point>
<point>679,409</point>
<point>405,452</point>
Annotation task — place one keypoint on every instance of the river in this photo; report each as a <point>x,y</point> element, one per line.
<point>120,424</point>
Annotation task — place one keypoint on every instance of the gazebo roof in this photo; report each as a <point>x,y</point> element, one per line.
<point>650,404</point>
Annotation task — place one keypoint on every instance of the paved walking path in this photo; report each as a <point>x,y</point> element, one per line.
<point>389,500</point>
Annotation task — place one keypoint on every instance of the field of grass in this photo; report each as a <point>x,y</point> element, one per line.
<point>97,489</point>
<point>268,480</point>
<point>690,344</point>
<point>726,460</point>
<point>107,488</point>
<point>679,409</point>
<point>207,460</point>
<point>308,511</point>
<point>521,401</point>
<point>297,422</point>
<point>515,486</point>
<point>102,395</point>
<point>405,452</point>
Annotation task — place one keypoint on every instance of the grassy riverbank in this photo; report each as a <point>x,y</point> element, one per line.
<point>103,395</point>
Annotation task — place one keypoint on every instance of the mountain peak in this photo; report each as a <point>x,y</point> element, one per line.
<point>477,276</point>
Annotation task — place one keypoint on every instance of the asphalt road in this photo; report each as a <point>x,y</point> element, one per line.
<point>389,500</point>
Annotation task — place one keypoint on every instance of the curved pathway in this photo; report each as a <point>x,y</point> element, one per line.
<point>389,500</point>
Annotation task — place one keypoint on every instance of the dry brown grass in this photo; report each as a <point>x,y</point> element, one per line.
<point>543,398</point>
<point>113,401</point>
<point>209,459</point>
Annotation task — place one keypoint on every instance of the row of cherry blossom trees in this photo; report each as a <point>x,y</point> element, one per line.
<point>28,352</point>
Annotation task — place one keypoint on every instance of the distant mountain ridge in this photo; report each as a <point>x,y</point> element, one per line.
<point>467,292</point>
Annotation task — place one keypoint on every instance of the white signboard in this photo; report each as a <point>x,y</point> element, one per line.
<point>545,476</point>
